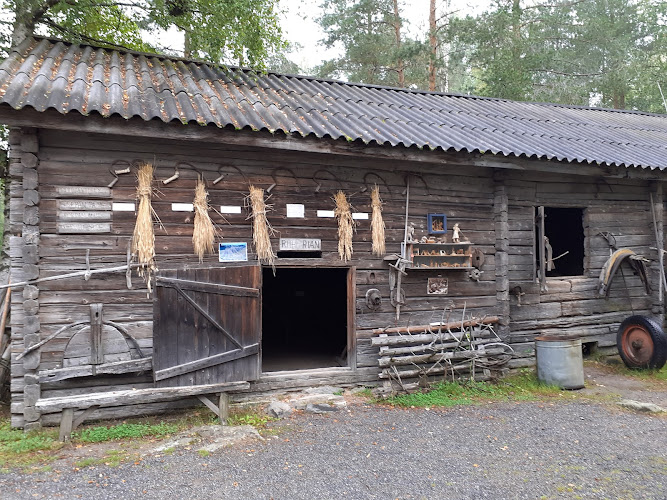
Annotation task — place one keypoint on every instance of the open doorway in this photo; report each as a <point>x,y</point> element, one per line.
<point>304,318</point>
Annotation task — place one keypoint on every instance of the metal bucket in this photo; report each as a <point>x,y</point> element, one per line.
<point>560,361</point>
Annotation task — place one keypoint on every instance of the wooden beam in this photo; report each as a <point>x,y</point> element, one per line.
<point>137,396</point>
<point>489,320</point>
<point>206,362</point>
<point>197,286</point>
<point>223,408</point>
<point>66,424</point>
<point>96,352</point>
<point>209,404</point>
<point>114,368</point>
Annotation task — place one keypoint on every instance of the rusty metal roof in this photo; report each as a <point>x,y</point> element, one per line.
<point>44,73</point>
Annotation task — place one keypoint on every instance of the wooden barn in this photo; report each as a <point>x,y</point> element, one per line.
<point>389,212</point>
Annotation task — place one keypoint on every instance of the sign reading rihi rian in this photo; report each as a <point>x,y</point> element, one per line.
<point>300,244</point>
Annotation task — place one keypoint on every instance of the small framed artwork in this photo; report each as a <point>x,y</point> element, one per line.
<point>233,252</point>
<point>437,286</point>
<point>437,223</point>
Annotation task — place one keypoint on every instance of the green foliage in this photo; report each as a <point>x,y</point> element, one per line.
<point>230,31</point>
<point>249,418</point>
<point>569,52</point>
<point>124,431</point>
<point>521,387</point>
<point>18,448</point>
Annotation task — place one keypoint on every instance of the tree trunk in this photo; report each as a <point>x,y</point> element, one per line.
<point>433,44</point>
<point>28,14</point>
<point>397,31</point>
<point>187,46</point>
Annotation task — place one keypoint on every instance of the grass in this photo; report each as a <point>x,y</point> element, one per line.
<point>521,387</point>
<point>615,365</point>
<point>100,434</point>
<point>24,449</point>
<point>249,416</point>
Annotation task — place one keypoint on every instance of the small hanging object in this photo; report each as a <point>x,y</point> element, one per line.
<point>346,225</point>
<point>261,229</point>
<point>377,223</point>
<point>143,238</point>
<point>203,234</point>
<point>172,178</point>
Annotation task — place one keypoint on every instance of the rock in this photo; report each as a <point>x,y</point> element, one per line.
<point>219,435</point>
<point>278,409</point>
<point>325,389</point>
<point>321,408</point>
<point>302,402</point>
<point>639,406</point>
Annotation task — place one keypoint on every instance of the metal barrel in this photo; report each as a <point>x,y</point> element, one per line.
<point>560,361</point>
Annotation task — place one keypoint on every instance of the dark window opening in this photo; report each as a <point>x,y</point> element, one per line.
<point>304,318</point>
<point>288,254</point>
<point>564,241</point>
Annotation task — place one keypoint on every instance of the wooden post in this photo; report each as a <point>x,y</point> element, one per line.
<point>96,351</point>
<point>500,218</point>
<point>223,408</point>
<point>66,424</point>
<point>657,212</point>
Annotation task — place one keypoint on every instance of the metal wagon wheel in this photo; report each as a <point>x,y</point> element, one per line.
<point>641,343</point>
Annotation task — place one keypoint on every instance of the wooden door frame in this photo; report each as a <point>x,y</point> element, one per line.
<point>351,290</point>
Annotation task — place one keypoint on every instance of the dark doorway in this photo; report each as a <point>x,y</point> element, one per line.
<point>304,318</point>
<point>564,231</point>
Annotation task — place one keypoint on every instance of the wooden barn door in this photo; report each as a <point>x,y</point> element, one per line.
<point>207,326</point>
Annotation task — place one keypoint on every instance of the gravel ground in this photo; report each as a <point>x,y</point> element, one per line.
<point>527,450</point>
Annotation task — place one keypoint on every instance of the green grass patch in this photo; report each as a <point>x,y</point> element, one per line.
<point>521,387</point>
<point>22,449</point>
<point>250,417</point>
<point>100,434</point>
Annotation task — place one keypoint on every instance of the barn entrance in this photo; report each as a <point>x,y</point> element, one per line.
<point>304,318</point>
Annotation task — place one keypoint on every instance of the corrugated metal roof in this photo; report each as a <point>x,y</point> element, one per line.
<point>43,74</point>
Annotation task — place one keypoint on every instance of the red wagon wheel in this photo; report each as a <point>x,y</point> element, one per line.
<point>641,343</point>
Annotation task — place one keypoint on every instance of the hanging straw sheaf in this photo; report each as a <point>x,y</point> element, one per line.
<point>203,234</point>
<point>377,223</point>
<point>143,238</point>
<point>346,226</point>
<point>261,229</point>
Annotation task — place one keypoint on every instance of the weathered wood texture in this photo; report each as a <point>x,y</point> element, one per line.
<point>571,304</point>
<point>74,174</point>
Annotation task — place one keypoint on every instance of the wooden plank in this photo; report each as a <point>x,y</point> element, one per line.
<point>115,368</point>
<point>128,397</point>
<point>189,367</point>
<point>96,348</point>
<point>219,288</point>
<point>223,407</point>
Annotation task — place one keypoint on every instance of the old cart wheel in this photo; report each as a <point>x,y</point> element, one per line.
<point>642,343</point>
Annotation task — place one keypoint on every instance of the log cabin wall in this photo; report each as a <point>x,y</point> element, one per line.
<point>71,161</point>
<point>571,305</point>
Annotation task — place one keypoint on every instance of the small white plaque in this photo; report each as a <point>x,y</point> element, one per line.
<point>230,209</point>
<point>325,213</point>
<point>182,207</point>
<point>300,244</point>
<point>71,215</point>
<point>295,211</point>
<point>123,207</point>
<point>233,252</point>
<point>84,227</point>
<point>360,215</point>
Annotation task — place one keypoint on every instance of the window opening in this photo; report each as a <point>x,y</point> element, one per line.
<point>562,247</point>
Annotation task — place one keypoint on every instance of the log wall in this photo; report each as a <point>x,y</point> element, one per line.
<point>495,210</point>
<point>84,160</point>
<point>571,305</point>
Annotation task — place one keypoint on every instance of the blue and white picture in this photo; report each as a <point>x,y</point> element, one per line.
<point>233,252</point>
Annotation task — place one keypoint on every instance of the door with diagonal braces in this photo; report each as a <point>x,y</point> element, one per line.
<point>207,326</point>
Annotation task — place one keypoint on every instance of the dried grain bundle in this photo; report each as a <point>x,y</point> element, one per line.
<point>261,229</point>
<point>377,223</point>
<point>143,238</point>
<point>346,225</point>
<point>203,235</point>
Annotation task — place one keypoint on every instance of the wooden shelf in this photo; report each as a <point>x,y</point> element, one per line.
<point>440,256</point>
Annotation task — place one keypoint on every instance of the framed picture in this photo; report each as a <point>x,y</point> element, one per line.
<point>437,223</point>
<point>233,252</point>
